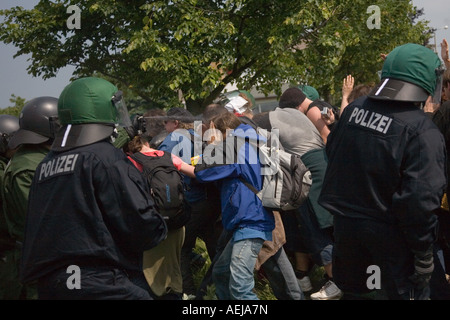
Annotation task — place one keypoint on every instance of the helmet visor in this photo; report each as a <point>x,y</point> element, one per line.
<point>122,111</point>
<point>73,136</point>
<point>437,95</point>
<point>398,90</point>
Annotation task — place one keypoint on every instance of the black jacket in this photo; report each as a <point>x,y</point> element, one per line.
<point>88,206</point>
<point>386,162</point>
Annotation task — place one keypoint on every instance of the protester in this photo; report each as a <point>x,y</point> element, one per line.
<point>295,98</point>
<point>162,264</point>
<point>350,92</point>
<point>242,211</point>
<point>155,131</point>
<point>309,228</point>
<point>385,177</point>
<point>218,236</point>
<point>202,201</point>
<point>90,215</point>
<point>272,260</point>
<point>329,113</point>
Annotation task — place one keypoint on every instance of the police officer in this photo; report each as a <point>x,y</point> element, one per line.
<point>90,217</point>
<point>385,177</point>
<point>9,288</point>
<point>37,122</point>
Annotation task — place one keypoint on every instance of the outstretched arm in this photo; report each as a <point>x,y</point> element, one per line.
<point>444,53</point>
<point>347,87</point>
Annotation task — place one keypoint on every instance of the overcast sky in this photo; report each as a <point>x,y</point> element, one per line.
<point>16,80</point>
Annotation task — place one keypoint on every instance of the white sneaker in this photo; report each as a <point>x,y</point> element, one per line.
<point>305,284</point>
<point>188,296</point>
<point>328,292</point>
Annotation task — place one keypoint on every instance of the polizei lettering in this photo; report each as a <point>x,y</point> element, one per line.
<point>60,165</point>
<point>371,120</point>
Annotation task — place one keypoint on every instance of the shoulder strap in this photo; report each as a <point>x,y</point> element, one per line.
<point>312,104</point>
<point>251,187</point>
<point>151,162</point>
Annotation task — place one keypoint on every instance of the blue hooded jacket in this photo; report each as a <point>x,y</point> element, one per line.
<point>241,208</point>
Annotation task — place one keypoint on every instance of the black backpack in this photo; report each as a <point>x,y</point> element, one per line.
<point>166,187</point>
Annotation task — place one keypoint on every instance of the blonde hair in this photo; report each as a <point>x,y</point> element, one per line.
<point>185,125</point>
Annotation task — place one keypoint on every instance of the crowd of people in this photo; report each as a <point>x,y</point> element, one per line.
<point>79,219</point>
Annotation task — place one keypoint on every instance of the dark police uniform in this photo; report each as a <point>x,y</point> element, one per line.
<point>98,201</point>
<point>386,174</point>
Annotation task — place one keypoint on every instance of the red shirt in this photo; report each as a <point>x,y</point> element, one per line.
<point>176,160</point>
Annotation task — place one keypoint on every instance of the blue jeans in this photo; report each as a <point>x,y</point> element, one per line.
<point>233,273</point>
<point>280,273</point>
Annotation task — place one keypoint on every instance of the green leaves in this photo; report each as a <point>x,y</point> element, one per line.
<point>157,49</point>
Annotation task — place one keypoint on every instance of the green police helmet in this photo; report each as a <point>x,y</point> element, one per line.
<point>310,92</point>
<point>411,72</point>
<point>88,112</point>
<point>88,100</point>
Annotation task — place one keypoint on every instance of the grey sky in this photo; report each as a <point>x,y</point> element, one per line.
<point>16,80</point>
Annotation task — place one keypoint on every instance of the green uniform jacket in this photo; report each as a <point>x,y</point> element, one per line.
<point>6,241</point>
<point>16,185</point>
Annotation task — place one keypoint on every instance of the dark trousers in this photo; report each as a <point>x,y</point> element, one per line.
<point>205,224</point>
<point>95,284</point>
<point>362,245</point>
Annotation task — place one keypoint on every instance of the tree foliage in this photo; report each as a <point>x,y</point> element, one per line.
<point>159,50</point>
<point>16,108</point>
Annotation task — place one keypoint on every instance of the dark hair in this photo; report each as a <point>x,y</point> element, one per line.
<point>134,145</point>
<point>292,98</point>
<point>262,120</point>
<point>359,91</point>
<point>153,124</point>
<point>212,110</point>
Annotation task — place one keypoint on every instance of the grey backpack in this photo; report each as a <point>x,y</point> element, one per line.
<point>286,179</point>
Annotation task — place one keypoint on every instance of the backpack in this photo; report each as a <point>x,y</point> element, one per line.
<point>286,179</point>
<point>166,187</point>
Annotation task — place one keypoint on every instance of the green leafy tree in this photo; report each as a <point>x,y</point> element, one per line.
<point>347,45</point>
<point>163,50</point>
<point>16,108</point>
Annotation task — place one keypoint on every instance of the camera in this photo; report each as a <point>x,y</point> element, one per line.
<point>324,111</point>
